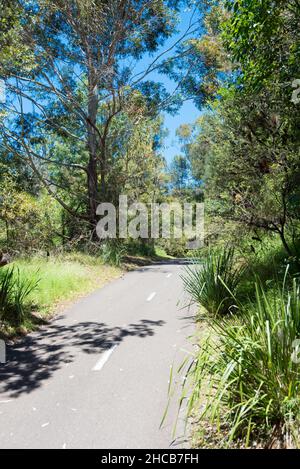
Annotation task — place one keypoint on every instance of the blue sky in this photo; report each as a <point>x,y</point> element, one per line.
<point>188,112</point>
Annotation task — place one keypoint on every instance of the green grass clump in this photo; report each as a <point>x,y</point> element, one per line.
<point>63,278</point>
<point>213,282</point>
<point>58,280</point>
<point>247,373</point>
<point>161,252</point>
<point>15,289</point>
<point>112,253</point>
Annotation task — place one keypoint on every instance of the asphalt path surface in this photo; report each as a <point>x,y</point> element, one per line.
<point>97,376</point>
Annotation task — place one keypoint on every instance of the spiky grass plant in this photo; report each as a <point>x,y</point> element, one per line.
<point>210,282</point>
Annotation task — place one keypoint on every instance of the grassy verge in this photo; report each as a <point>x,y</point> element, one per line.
<point>33,289</point>
<point>243,384</point>
<point>60,280</point>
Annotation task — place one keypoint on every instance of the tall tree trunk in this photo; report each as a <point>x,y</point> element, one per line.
<point>103,170</point>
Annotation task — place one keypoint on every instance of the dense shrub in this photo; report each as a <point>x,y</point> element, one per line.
<point>112,253</point>
<point>27,223</point>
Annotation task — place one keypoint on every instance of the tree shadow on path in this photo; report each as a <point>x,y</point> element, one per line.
<point>35,359</point>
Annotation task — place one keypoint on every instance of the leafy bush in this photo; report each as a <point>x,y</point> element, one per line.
<point>213,282</point>
<point>247,371</point>
<point>27,223</point>
<point>139,247</point>
<point>14,291</point>
<point>175,247</point>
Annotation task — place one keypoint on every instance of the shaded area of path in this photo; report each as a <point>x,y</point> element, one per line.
<point>97,376</point>
<point>37,357</point>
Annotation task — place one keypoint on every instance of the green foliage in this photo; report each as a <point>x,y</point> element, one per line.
<point>269,261</point>
<point>246,146</point>
<point>87,137</point>
<point>140,247</point>
<point>29,223</point>
<point>112,253</point>
<point>179,172</point>
<point>213,282</point>
<point>135,165</point>
<point>247,375</point>
<point>13,49</point>
<point>61,277</point>
<point>263,37</point>
<point>176,247</point>
<point>247,153</point>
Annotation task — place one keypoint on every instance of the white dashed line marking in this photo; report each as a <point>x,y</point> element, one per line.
<point>150,297</point>
<point>169,275</point>
<point>5,402</point>
<point>185,351</point>
<point>105,356</point>
<point>45,425</point>
<point>64,446</point>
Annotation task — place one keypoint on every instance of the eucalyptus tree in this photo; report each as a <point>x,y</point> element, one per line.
<point>86,71</point>
<point>246,148</point>
<point>12,49</point>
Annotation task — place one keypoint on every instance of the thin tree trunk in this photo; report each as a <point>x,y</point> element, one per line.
<point>92,143</point>
<point>284,242</point>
